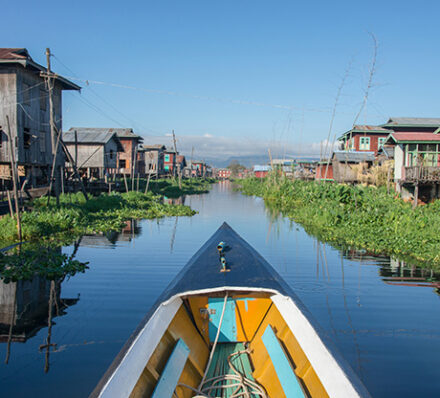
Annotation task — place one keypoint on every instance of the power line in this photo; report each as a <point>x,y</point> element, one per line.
<point>200,97</point>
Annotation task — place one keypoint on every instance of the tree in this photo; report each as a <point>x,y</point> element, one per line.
<point>236,168</point>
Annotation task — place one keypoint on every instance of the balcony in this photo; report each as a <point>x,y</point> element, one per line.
<point>421,174</point>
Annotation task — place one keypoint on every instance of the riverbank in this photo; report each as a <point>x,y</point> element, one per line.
<point>359,217</point>
<point>107,212</point>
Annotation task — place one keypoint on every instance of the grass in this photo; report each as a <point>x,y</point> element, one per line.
<point>355,216</point>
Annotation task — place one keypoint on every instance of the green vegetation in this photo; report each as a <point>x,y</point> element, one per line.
<point>360,217</point>
<point>171,188</point>
<point>104,213</point>
<point>48,263</point>
<point>76,217</point>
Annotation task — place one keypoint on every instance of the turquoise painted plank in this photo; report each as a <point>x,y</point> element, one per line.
<point>173,369</point>
<point>228,332</point>
<point>282,366</point>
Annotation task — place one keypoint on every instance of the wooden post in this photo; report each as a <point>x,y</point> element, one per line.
<point>62,179</point>
<point>125,181</point>
<point>14,178</point>
<point>75,170</point>
<point>137,184</point>
<point>53,133</point>
<point>11,211</point>
<point>179,173</point>
<point>148,182</point>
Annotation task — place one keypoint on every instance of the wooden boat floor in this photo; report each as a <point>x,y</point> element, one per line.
<point>220,367</point>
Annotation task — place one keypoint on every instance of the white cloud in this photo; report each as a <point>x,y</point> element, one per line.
<point>220,148</point>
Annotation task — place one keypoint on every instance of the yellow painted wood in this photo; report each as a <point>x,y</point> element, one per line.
<point>180,327</point>
<point>264,370</point>
<point>249,319</point>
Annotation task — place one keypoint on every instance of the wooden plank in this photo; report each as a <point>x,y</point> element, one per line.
<point>283,369</point>
<point>173,369</point>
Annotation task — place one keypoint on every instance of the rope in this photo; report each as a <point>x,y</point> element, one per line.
<point>211,354</point>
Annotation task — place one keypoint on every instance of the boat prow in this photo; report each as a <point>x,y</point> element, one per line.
<point>228,325</point>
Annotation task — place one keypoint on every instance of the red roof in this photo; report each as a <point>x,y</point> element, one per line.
<point>13,53</point>
<point>416,137</point>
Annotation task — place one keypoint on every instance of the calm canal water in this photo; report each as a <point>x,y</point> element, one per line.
<point>383,315</point>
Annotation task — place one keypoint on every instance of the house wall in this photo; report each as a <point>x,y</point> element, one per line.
<point>33,115</point>
<point>129,145</point>
<point>110,154</point>
<point>153,162</point>
<point>89,155</point>
<point>343,172</point>
<point>25,99</point>
<point>260,174</point>
<point>399,157</point>
<point>8,107</point>
<point>374,141</point>
<point>321,172</point>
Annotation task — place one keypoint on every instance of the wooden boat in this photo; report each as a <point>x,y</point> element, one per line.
<point>229,326</point>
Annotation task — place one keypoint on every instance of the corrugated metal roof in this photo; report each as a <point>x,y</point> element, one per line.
<point>120,132</point>
<point>368,127</point>
<point>416,137</point>
<point>261,168</point>
<point>353,156</point>
<point>14,53</point>
<point>150,147</point>
<point>21,56</point>
<point>388,151</point>
<point>413,121</point>
<point>88,137</point>
<point>365,128</point>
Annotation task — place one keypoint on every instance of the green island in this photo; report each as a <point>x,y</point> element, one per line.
<point>107,212</point>
<point>361,217</point>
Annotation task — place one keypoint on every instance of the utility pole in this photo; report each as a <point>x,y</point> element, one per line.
<point>14,171</point>
<point>49,76</point>
<point>179,172</point>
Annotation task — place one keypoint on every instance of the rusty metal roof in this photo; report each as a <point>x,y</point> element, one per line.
<point>365,128</point>
<point>14,53</point>
<point>414,137</point>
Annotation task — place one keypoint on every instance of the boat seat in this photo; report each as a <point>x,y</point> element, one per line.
<point>172,371</point>
<point>283,368</point>
<point>220,367</point>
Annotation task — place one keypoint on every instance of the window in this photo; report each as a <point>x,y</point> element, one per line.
<point>111,153</point>
<point>364,143</point>
<point>167,158</point>
<point>381,142</point>
<point>26,138</point>
<point>122,164</point>
<point>167,167</point>
<point>425,155</point>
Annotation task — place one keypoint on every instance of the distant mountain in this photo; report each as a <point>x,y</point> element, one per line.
<point>247,161</point>
<point>250,160</point>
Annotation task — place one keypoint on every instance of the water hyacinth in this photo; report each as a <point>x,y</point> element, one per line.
<point>357,216</point>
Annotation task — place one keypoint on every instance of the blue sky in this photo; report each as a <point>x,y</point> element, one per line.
<point>234,77</point>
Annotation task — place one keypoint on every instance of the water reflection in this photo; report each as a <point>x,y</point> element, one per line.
<point>389,334</point>
<point>30,293</point>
